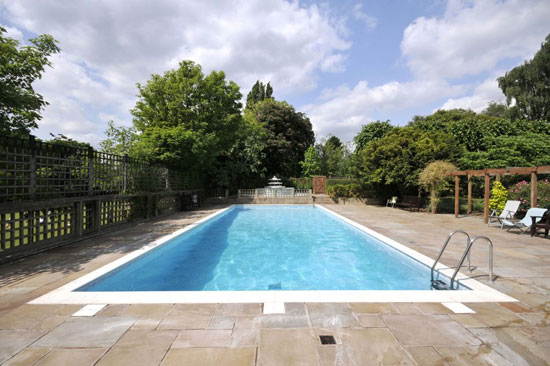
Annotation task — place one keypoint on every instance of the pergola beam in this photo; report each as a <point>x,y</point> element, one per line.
<point>498,172</point>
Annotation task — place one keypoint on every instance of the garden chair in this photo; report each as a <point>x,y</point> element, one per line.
<point>507,213</point>
<point>391,201</point>
<point>527,221</point>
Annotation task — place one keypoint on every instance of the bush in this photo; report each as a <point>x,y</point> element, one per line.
<point>435,179</point>
<point>340,181</point>
<point>499,196</point>
<point>447,204</point>
<point>521,192</point>
<point>301,183</point>
<point>352,190</point>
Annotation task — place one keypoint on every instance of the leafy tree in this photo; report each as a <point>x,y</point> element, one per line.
<point>526,86</point>
<point>119,141</point>
<point>20,66</point>
<point>370,132</point>
<point>335,157</point>
<point>527,149</point>
<point>258,93</point>
<point>289,134</point>
<point>61,139</point>
<point>434,178</point>
<point>396,160</point>
<point>244,166</point>
<point>500,110</point>
<point>312,163</point>
<point>469,129</point>
<point>187,120</point>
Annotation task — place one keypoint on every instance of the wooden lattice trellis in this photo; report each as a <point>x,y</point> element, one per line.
<point>51,193</point>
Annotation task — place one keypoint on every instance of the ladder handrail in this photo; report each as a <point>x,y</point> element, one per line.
<point>467,252</point>
<point>445,246</point>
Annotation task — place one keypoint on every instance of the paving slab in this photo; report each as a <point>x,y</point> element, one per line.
<point>87,332</point>
<point>222,322</point>
<point>287,347</point>
<point>13,341</point>
<point>372,308</point>
<point>140,347</point>
<point>331,315</point>
<point>239,309</point>
<point>472,356</point>
<point>372,346</point>
<point>189,321</point>
<point>429,330</point>
<point>203,338</point>
<point>71,356</point>
<point>27,357</point>
<point>210,357</point>
<point>426,356</point>
<point>295,316</point>
<point>495,315</point>
<point>370,321</point>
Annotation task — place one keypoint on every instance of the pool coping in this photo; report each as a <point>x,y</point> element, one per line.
<point>64,295</point>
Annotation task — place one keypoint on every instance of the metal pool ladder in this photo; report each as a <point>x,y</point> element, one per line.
<point>441,285</point>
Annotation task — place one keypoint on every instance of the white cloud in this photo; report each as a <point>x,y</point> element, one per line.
<point>470,38</point>
<point>13,33</point>
<point>484,93</point>
<point>368,21</point>
<point>473,36</point>
<point>344,109</point>
<point>108,46</point>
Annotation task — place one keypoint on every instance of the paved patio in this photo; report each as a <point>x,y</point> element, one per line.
<point>239,334</point>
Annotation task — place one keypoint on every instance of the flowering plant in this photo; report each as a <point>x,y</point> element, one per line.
<point>521,191</point>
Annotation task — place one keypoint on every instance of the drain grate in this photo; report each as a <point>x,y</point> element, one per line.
<point>327,339</point>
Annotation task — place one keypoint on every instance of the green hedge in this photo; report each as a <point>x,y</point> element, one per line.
<point>352,190</point>
<point>340,181</point>
<point>447,205</point>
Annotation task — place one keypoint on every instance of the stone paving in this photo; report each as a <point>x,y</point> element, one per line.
<point>239,334</point>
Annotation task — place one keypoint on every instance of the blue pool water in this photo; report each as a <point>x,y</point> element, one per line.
<point>269,248</point>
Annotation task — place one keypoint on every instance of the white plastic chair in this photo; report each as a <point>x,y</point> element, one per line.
<point>526,222</point>
<point>507,213</point>
<point>391,201</point>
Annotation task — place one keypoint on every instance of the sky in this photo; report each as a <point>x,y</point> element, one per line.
<point>343,63</point>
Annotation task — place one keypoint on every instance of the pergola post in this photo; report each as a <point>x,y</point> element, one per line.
<point>457,205</point>
<point>486,196</point>
<point>469,194</point>
<point>534,189</point>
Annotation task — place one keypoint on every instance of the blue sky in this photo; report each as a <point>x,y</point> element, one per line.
<point>343,63</point>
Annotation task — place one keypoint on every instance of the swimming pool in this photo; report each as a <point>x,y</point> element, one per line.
<point>269,247</point>
<point>72,292</point>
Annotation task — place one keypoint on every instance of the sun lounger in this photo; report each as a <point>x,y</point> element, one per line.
<point>527,221</point>
<point>507,213</point>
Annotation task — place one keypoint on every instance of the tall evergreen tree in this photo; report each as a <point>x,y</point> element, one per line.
<point>258,93</point>
<point>528,86</point>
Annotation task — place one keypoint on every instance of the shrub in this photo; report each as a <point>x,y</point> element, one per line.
<point>301,183</point>
<point>499,196</point>
<point>435,178</point>
<point>521,191</point>
<point>352,190</point>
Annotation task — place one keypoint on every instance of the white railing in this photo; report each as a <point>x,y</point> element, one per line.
<point>274,193</point>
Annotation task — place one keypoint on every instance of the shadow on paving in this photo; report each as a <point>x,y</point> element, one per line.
<point>74,257</point>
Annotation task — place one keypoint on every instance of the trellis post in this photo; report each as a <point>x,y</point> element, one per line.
<point>534,192</point>
<point>32,167</point>
<point>78,219</point>
<point>486,196</point>
<point>457,202</point>
<point>90,171</point>
<point>469,194</point>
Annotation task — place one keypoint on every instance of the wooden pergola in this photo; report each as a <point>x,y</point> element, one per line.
<point>487,173</point>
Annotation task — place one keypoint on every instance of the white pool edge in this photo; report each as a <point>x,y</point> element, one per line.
<point>66,295</point>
